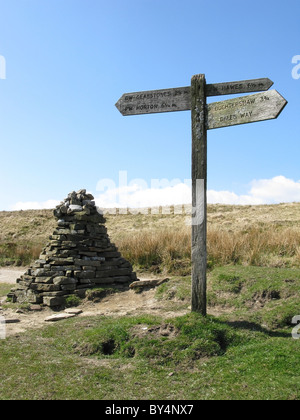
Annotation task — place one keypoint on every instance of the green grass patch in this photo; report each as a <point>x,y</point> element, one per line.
<point>98,293</point>
<point>177,289</point>
<point>168,342</point>
<point>72,301</point>
<point>184,358</point>
<point>241,287</point>
<point>246,352</point>
<point>5,288</point>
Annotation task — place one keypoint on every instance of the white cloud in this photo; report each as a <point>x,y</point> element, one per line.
<point>276,190</point>
<point>135,196</point>
<point>138,195</point>
<point>35,205</point>
<point>264,191</point>
<point>228,197</point>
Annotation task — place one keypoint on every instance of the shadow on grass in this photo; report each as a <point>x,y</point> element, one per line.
<point>252,326</point>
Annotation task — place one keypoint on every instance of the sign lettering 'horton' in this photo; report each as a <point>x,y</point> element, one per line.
<point>179,99</point>
<point>242,110</point>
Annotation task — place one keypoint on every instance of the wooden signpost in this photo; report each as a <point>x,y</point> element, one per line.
<point>179,99</point>
<point>241,110</point>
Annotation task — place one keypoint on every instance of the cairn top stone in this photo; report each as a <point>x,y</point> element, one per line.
<point>80,203</point>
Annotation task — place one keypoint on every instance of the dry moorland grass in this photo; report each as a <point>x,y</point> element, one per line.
<point>243,350</point>
<point>248,235</point>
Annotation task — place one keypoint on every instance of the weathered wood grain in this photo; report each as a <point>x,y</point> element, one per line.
<point>244,86</point>
<point>245,109</point>
<point>179,99</point>
<point>155,101</point>
<point>199,186</point>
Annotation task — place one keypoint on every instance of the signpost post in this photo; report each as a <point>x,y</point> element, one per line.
<point>242,110</point>
<point>199,187</point>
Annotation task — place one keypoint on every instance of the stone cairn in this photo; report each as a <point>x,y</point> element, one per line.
<point>78,257</point>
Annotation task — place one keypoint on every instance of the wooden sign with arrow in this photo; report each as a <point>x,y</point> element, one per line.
<point>245,109</point>
<point>241,110</point>
<point>179,99</point>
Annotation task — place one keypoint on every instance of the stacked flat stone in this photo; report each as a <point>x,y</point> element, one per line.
<point>78,257</point>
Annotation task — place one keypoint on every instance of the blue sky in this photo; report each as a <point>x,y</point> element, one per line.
<point>69,61</point>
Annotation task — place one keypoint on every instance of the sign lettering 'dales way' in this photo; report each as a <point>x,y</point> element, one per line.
<point>246,109</point>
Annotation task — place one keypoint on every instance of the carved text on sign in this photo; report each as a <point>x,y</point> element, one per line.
<point>246,109</point>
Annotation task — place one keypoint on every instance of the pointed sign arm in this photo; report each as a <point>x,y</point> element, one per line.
<point>245,109</point>
<point>244,86</point>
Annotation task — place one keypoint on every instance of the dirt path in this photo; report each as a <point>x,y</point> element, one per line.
<point>120,304</point>
<point>10,275</point>
<point>128,303</point>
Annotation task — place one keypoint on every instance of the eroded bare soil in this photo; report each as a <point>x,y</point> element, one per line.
<point>120,304</point>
